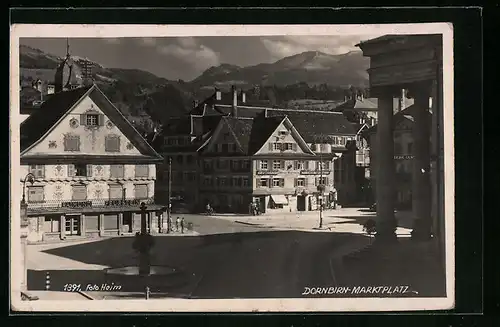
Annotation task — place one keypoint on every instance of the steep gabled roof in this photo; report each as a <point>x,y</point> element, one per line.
<point>242,129</point>
<point>60,104</point>
<point>311,125</point>
<point>49,113</point>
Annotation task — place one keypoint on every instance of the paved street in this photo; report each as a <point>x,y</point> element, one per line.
<point>233,256</point>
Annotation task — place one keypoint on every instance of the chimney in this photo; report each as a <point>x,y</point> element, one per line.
<point>218,95</point>
<point>243,97</point>
<point>234,106</point>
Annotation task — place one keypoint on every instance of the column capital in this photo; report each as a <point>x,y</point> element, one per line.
<point>420,89</point>
<point>390,91</point>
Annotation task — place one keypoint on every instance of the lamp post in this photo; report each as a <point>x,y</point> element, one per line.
<point>169,194</point>
<point>24,225</point>
<point>321,188</point>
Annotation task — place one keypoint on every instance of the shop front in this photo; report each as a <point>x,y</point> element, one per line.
<point>88,219</point>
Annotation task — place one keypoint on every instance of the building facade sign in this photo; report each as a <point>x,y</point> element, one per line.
<point>109,203</point>
<point>315,172</point>
<point>407,157</point>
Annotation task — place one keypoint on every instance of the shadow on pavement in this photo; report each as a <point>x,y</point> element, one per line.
<point>241,264</point>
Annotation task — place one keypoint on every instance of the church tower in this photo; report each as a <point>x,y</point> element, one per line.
<point>68,74</point>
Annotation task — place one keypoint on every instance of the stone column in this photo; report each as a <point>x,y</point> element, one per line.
<point>422,191</point>
<point>385,188</point>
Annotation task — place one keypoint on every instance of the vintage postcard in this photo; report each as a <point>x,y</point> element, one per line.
<point>232,168</point>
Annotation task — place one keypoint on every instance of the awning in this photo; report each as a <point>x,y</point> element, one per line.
<point>279,199</point>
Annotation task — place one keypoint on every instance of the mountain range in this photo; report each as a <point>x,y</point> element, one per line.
<point>141,93</point>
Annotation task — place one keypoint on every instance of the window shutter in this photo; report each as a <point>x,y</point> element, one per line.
<point>82,119</point>
<point>257,162</point>
<point>270,182</point>
<point>71,170</point>
<point>294,146</point>
<point>100,120</point>
<point>295,182</point>
<point>282,182</point>
<point>282,164</point>
<point>305,181</point>
<point>316,181</point>
<point>89,170</point>
<point>257,182</point>
<point>306,165</point>
<point>270,146</point>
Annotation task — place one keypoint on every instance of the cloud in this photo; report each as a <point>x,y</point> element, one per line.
<point>283,46</point>
<point>191,52</point>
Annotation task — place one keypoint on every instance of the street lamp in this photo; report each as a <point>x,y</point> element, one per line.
<point>321,186</point>
<point>28,178</point>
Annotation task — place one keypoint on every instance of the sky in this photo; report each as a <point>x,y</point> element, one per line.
<point>187,57</point>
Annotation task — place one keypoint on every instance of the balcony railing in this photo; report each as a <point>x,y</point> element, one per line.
<point>89,203</point>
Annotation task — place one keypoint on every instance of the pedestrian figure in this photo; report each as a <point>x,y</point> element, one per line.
<point>177,221</point>
<point>182,225</point>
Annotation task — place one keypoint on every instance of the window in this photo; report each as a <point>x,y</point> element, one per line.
<point>207,164</point>
<point>225,148</point>
<point>300,165</point>
<point>37,170</point>
<point>80,170</point>
<point>141,191</point>
<point>235,164</point>
<point>189,159</point>
<point>71,143</point>
<point>232,147</point>
<point>79,192</point>
<point>52,225</point>
<point>289,146</point>
<point>115,191</point>
<point>282,133</point>
<point>92,120</point>
<point>339,140</point>
<point>263,165</point>
<point>263,182</point>
<point>300,182</point>
<point>112,143</point>
<point>35,194</point>
<point>222,164</point>
<point>117,171</point>
<point>142,171</point>
<point>278,182</point>
<point>246,164</point>
<point>207,181</point>
<point>180,159</point>
<point>276,146</point>
<point>222,181</point>
<point>410,148</point>
<point>322,165</point>
<point>278,164</point>
<point>322,181</point>
<point>324,147</point>
<point>245,181</point>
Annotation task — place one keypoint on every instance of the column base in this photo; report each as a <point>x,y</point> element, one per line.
<point>421,231</point>
<point>386,232</point>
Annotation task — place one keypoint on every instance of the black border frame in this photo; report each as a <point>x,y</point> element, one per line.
<point>467,24</point>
